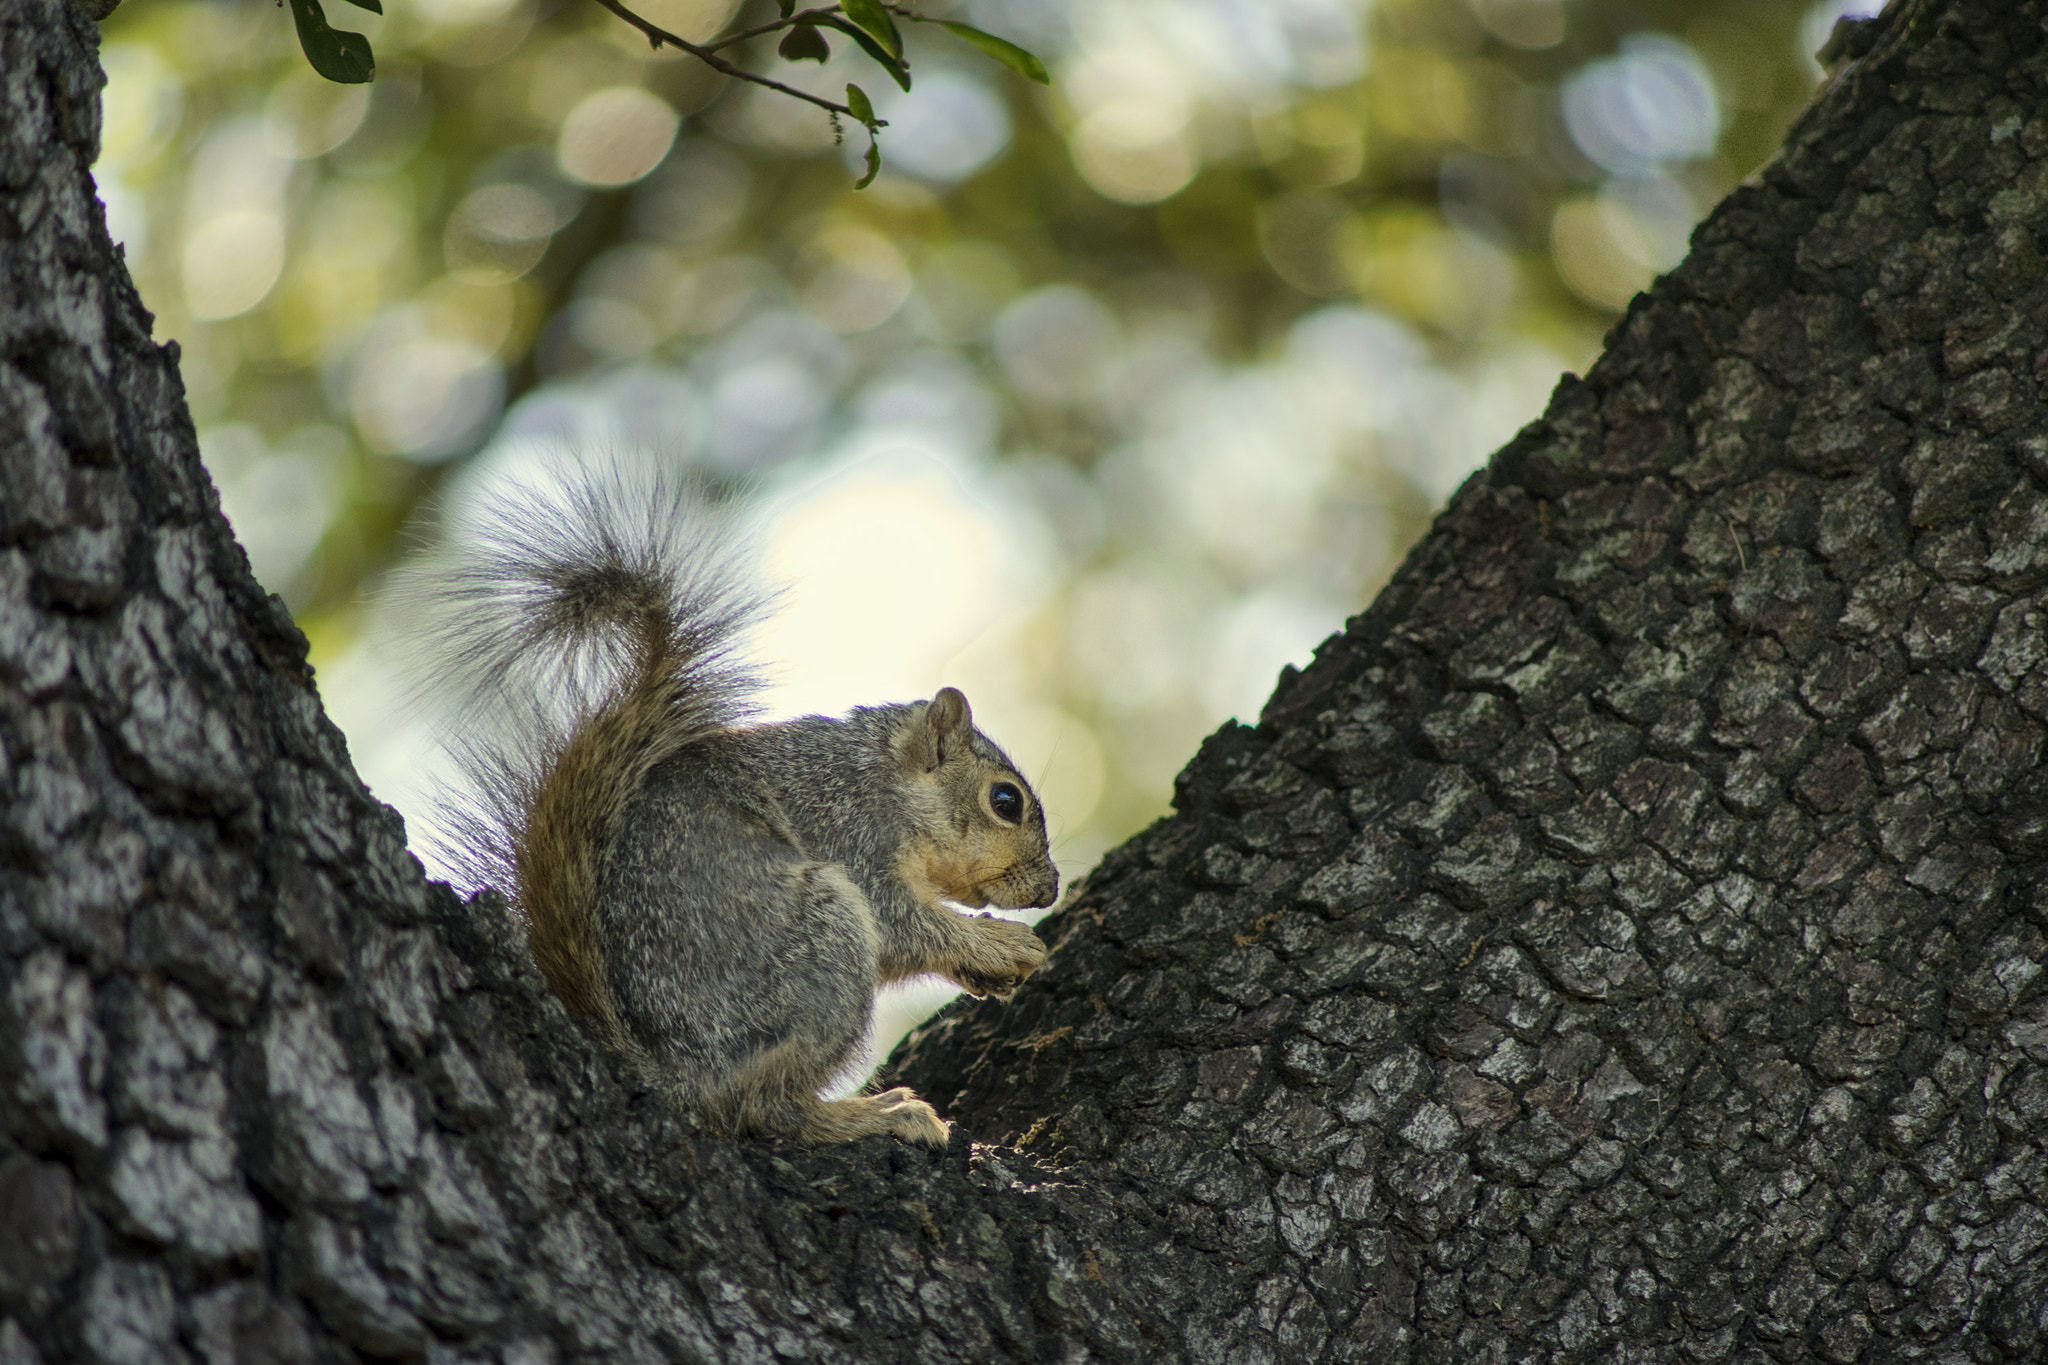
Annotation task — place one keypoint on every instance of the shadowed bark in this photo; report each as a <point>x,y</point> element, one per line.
<point>1624,942</point>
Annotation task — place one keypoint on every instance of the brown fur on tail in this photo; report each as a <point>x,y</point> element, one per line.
<point>582,787</point>
<point>619,600</point>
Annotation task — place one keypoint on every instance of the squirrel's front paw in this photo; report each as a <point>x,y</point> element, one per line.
<point>1003,954</point>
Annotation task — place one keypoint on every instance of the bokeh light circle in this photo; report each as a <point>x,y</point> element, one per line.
<point>615,136</point>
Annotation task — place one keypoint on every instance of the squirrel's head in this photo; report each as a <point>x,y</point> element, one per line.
<point>978,832</point>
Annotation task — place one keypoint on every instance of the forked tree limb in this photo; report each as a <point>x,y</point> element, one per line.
<point>1622,943</point>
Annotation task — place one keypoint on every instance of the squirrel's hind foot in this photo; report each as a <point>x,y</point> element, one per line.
<point>777,1093</point>
<point>898,1113</point>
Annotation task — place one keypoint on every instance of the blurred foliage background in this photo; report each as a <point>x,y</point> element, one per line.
<point>1103,402</point>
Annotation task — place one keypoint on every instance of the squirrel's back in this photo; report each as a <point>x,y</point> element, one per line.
<point>593,627</point>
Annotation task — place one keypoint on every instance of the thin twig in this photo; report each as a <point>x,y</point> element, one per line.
<point>772,27</point>
<point>709,56</point>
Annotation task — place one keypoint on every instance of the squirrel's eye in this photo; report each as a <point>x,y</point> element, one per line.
<point>1007,802</point>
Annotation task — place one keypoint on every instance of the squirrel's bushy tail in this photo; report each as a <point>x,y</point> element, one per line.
<point>591,631</point>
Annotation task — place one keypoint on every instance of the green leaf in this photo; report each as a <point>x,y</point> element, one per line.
<point>804,43</point>
<point>1008,53</point>
<point>857,101</point>
<point>870,15</point>
<point>342,57</point>
<point>373,6</point>
<point>874,165</point>
<point>897,70</point>
<point>787,6</point>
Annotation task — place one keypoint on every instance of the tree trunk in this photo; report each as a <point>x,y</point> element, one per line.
<point>1623,942</point>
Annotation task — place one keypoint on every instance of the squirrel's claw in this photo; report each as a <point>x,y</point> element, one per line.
<point>1000,985</point>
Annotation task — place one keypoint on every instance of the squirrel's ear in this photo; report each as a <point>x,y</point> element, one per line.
<point>945,724</point>
<point>937,733</point>
<point>949,712</point>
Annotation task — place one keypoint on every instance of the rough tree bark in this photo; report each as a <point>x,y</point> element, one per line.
<point>1624,942</point>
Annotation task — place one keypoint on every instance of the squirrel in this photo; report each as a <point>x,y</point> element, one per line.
<point>719,899</point>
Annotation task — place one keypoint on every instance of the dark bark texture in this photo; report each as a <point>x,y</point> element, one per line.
<point>1623,943</point>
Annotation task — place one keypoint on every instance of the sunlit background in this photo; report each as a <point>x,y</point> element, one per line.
<point>1102,403</point>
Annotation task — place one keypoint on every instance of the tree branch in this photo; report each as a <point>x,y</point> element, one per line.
<point>709,56</point>
<point>774,27</point>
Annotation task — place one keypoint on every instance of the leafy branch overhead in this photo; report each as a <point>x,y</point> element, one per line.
<point>871,24</point>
